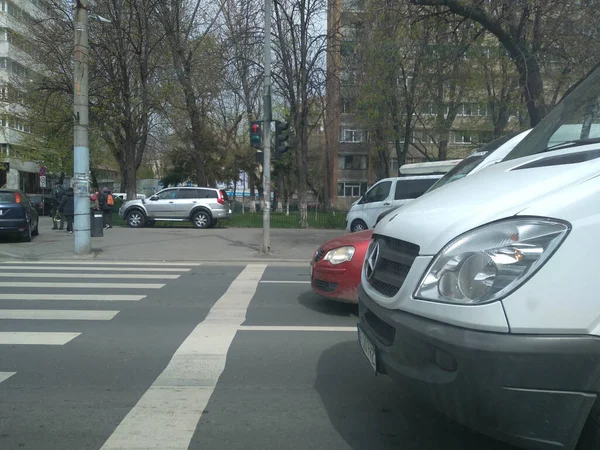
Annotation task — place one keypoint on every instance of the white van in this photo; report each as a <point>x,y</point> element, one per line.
<point>390,193</point>
<point>481,296</point>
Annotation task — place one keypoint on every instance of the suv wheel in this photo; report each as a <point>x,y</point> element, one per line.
<point>201,219</point>
<point>135,219</point>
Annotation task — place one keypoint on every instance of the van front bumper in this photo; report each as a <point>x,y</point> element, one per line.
<point>531,391</point>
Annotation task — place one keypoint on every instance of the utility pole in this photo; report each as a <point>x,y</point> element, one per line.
<point>81,151</point>
<point>267,134</point>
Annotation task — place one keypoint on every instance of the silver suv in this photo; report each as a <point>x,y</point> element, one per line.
<point>202,206</point>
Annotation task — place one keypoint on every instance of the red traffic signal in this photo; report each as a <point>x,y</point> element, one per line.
<point>255,134</point>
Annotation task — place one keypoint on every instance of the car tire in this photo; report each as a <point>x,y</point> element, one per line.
<point>135,219</point>
<point>201,219</point>
<point>358,225</point>
<point>213,223</point>
<point>27,234</point>
<point>590,435</point>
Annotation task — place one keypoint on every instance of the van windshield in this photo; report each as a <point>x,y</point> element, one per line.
<point>463,168</point>
<point>576,118</point>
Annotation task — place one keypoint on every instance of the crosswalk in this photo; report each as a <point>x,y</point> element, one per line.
<point>52,283</point>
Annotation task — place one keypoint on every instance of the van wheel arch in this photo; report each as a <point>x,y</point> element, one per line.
<point>358,225</point>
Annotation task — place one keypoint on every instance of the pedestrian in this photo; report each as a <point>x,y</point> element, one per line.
<point>106,201</point>
<point>95,201</point>
<point>67,208</point>
<point>58,194</point>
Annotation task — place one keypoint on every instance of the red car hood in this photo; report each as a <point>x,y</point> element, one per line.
<point>353,239</point>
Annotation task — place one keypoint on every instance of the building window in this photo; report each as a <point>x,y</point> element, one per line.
<point>352,162</point>
<point>462,137</point>
<point>353,136</point>
<point>351,189</point>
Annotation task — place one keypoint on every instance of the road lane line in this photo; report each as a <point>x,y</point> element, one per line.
<point>6,375</point>
<point>56,262</point>
<point>134,276</point>
<point>167,414</point>
<point>100,269</point>
<point>74,297</point>
<point>35,338</point>
<point>28,284</point>
<point>56,314</point>
<point>291,328</point>
<point>284,282</point>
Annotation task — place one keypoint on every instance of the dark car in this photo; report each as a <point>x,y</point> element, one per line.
<point>42,203</point>
<point>17,214</point>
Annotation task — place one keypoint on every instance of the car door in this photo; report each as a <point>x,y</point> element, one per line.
<point>377,199</point>
<point>410,188</point>
<point>162,205</point>
<point>31,210</point>
<point>185,201</point>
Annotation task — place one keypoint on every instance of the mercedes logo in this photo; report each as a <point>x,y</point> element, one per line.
<point>372,260</point>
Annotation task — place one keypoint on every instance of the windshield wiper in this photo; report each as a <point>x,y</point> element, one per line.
<point>569,144</point>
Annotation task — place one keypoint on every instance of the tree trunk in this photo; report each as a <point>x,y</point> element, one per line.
<point>131,182</point>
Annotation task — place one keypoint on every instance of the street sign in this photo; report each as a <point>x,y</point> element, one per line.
<point>42,171</point>
<point>43,181</point>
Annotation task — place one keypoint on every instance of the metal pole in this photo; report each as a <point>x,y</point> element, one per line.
<point>267,134</point>
<point>81,156</point>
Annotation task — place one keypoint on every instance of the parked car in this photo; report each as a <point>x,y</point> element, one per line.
<point>17,214</point>
<point>42,203</point>
<point>202,206</point>
<point>394,192</point>
<point>336,266</point>
<point>480,297</point>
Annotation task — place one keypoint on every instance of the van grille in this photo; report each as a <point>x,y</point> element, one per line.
<point>396,257</point>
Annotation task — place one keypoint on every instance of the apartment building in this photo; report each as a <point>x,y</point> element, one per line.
<point>15,65</point>
<point>356,160</point>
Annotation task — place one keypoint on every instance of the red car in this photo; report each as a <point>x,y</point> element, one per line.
<point>336,265</point>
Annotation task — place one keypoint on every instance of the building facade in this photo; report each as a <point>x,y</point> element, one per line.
<point>15,65</point>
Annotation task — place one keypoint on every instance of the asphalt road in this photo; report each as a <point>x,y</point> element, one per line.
<point>214,357</point>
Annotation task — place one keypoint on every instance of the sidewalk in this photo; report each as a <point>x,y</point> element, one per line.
<point>172,244</point>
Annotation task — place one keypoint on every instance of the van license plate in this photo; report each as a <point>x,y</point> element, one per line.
<point>368,348</point>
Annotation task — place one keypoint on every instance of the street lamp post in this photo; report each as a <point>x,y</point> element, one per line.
<point>81,151</point>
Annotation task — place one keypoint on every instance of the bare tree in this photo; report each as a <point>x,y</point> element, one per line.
<point>527,30</point>
<point>299,71</point>
<point>189,31</point>
<point>126,61</point>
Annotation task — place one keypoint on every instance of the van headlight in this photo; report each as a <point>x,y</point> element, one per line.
<point>489,262</point>
<point>340,255</point>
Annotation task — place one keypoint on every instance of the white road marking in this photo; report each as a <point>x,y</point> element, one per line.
<point>284,282</point>
<point>99,269</point>
<point>57,262</point>
<point>167,414</point>
<point>28,284</point>
<point>6,375</point>
<point>56,314</point>
<point>74,297</point>
<point>135,276</point>
<point>35,338</point>
<point>300,328</point>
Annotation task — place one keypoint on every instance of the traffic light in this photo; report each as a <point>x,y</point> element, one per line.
<point>255,134</point>
<point>281,137</point>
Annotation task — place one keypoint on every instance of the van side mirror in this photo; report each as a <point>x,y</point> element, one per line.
<point>153,198</point>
